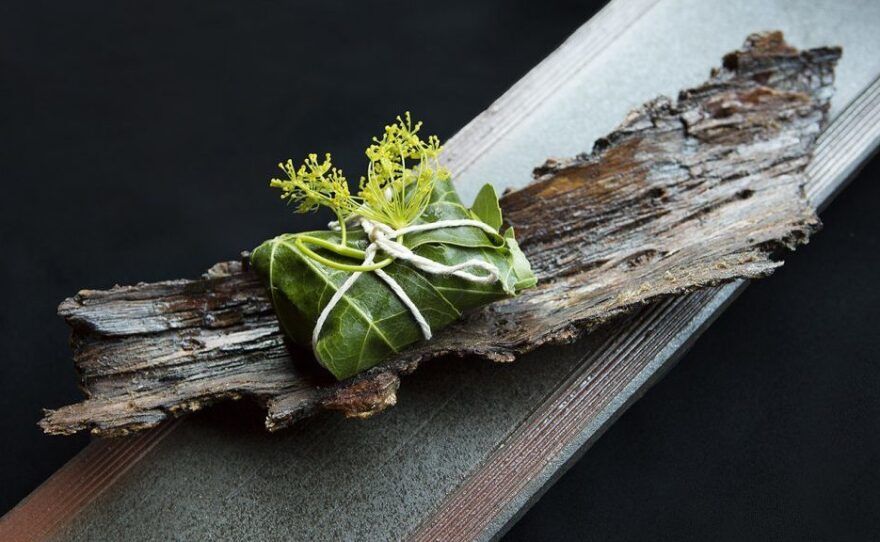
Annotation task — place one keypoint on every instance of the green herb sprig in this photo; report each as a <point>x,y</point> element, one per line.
<point>402,172</point>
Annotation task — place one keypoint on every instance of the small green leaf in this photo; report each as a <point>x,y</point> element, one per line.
<point>446,205</point>
<point>521,266</point>
<point>486,206</point>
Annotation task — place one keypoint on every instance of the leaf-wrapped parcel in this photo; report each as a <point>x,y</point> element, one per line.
<point>370,323</point>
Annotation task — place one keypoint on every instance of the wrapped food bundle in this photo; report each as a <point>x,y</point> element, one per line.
<point>404,259</point>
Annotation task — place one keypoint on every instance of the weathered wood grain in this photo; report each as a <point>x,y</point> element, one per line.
<point>682,195</point>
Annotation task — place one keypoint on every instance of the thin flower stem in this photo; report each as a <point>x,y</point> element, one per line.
<point>342,251</point>
<point>341,220</point>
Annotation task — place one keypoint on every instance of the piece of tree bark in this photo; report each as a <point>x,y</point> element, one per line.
<point>682,195</point>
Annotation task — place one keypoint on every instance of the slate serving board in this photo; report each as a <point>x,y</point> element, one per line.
<point>457,458</point>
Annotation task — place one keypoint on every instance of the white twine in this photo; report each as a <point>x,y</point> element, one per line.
<point>383,237</point>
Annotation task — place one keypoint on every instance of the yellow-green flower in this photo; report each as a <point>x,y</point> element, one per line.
<point>400,177</point>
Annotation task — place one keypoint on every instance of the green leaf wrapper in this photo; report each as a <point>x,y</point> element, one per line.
<point>370,323</point>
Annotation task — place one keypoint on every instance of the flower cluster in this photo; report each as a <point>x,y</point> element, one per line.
<point>400,177</point>
<point>313,184</point>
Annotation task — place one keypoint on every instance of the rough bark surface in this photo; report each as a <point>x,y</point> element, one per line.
<point>684,194</point>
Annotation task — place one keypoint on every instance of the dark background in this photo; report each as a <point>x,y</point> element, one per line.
<point>136,144</point>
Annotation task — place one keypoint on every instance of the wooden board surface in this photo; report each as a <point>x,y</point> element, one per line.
<point>407,473</point>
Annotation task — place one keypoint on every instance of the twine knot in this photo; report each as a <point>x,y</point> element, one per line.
<point>383,237</point>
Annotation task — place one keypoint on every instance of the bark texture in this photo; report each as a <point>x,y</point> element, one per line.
<point>683,194</point>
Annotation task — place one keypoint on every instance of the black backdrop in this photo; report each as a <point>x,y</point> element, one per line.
<point>136,143</point>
